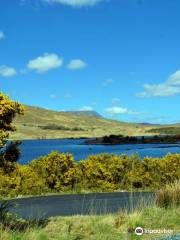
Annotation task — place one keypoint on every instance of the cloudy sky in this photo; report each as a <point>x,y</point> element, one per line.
<point>120,58</point>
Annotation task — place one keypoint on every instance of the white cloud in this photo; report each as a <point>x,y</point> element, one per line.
<point>168,88</point>
<point>174,79</point>
<point>86,108</point>
<point>116,110</point>
<point>2,35</point>
<point>76,64</point>
<point>107,82</point>
<point>75,3</point>
<point>119,110</point>
<point>45,63</point>
<point>6,71</point>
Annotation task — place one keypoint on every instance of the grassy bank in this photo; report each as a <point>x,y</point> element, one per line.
<point>109,227</point>
<point>163,213</point>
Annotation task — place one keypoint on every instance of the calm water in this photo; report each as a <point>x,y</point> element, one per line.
<point>32,149</point>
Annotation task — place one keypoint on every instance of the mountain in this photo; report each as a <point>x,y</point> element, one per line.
<point>40,123</point>
<point>149,124</point>
<point>85,113</point>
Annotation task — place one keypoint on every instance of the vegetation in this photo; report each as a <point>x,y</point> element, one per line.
<point>9,153</point>
<point>8,111</point>
<point>15,223</point>
<point>39,123</point>
<point>166,130</point>
<point>59,173</point>
<point>117,226</point>
<point>108,227</point>
<point>169,196</point>
<point>58,127</point>
<point>120,139</point>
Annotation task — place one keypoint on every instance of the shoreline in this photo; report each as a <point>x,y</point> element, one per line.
<point>120,140</point>
<point>85,193</point>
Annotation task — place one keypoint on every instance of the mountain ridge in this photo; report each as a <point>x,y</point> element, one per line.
<point>85,113</point>
<point>40,123</point>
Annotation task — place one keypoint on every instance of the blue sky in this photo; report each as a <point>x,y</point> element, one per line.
<point>118,57</point>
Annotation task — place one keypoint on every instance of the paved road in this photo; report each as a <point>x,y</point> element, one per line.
<point>80,204</point>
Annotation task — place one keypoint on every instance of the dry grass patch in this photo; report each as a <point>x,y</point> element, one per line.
<point>169,196</point>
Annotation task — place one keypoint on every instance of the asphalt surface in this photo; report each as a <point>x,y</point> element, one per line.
<point>80,204</point>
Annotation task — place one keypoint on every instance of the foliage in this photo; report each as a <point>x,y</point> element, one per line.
<point>104,227</point>
<point>6,184</point>
<point>9,153</point>
<point>105,172</point>
<point>27,181</point>
<point>8,111</point>
<point>13,222</point>
<point>169,196</point>
<point>58,170</point>
<point>21,181</point>
<point>4,210</point>
<point>120,139</point>
<point>60,127</point>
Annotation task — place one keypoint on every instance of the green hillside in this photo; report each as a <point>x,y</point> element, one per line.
<point>166,130</point>
<point>39,123</point>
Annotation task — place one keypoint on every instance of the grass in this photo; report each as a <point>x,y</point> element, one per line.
<point>169,196</point>
<point>163,213</point>
<point>119,226</point>
<point>36,124</point>
<point>166,130</point>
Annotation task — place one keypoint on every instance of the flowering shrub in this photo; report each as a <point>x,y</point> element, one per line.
<point>58,172</point>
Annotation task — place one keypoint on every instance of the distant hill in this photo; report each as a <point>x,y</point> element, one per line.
<point>175,129</point>
<point>149,124</point>
<point>85,113</point>
<point>39,123</point>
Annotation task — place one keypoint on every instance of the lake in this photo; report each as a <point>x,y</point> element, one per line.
<point>32,149</point>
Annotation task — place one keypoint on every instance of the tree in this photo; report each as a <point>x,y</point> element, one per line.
<point>8,110</point>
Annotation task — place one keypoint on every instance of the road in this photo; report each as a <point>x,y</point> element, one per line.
<point>79,204</point>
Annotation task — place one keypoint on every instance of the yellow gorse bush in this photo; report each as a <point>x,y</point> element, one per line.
<point>8,110</point>
<point>56,169</point>
<point>58,172</point>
